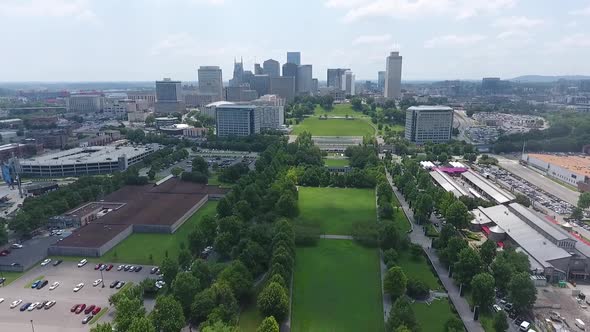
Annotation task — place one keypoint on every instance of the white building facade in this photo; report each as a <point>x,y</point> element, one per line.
<point>429,124</point>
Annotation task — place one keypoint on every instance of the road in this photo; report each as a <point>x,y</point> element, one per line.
<point>461,121</point>
<point>538,180</point>
<point>418,237</point>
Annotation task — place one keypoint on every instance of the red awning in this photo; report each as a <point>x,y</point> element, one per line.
<point>486,229</point>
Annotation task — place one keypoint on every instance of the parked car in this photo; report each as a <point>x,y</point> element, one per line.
<point>120,284</point>
<point>25,306</point>
<point>110,267</point>
<point>1,299</point>
<point>57,262</point>
<point>16,246</point>
<point>54,285</point>
<point>154,270</point>
<point>80,308</point>
<point>127,267</point>
<point>496,308</point>
<point>82,262</point>
<point>46,261</point>
<point>160,284</point>
<point>89,309</point>
<point>87,319</point>
<point>33,306</point>
<point>113,284</point>
<point>137,269</point>
<point>132,268</point>
<point>42,284</point>
<point>103,267</point>
<point>2,280</point>
<point>35,283</point>
<point>97,282</point>
<point>96,311</point>
<point>120,267</point>
<point>97,266</point>
<point>4,253</point>
<point>49,304</point>
<point>73,309</point>
<point>40,306</point>
<point>15,303</point>
<point>78,287</point>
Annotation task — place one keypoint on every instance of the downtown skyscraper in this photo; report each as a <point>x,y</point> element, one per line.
<point>393,76</point>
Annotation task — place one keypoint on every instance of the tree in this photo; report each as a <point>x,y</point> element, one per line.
<point>3,234</point>
<point>417,289</point>
<point>224,208</point>
<point>237,276</point>
<point>199,164</point>
<point>454,324</point>
<point>167,315</point>
<point>176,171</point>
<point>468,265</point>
<point>287,206</point>
<point>142,324</point>
<point>184,288</point>
<point>151,174</point>
<point>226,306</point>
<point>389,236</point>
<point>577,213</point>
<point>102,327</point>
<point>523,200</point>
<point>584,200</point>
<point>450,254</point>
<point>401,314</point>
<point>395,282</point>
<point>487,251</point>
<point>126,311</point>
<point>273,301</point>
<point>500,323</point>
<point>457,214</point>
<point>184,259</point>
<point>202,305</point>
<point>522,291</point>
<point>219,326</point>
<point>502,271</point>
<point>200,269</point>
<point>269,324</point>
<point>482,288</point>
<point>169,268</point>
<point>150,120</point>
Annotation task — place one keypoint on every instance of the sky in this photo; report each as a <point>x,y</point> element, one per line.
<point>145,40</point>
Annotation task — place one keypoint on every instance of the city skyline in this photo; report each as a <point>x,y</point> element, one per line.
<point>84,40</point>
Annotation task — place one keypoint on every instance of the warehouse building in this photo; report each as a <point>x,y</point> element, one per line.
<point>86,161</point>
<point>487,189</point>
<point>573,170</point>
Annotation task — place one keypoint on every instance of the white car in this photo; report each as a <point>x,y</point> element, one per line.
<point>160,284</point>
<point>45,262</point>
<point>54,285</point>
<point>96,282</point>
<point>33,306</point>
<point>1,299</point>
<point>17,246</point>
<point>78,287</point>
<point>82,262</point>
<point>14,304</point>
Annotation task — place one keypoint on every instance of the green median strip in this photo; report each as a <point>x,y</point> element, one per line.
<point>100,314</point>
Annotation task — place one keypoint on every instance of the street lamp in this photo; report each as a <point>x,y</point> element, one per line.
<point>101,278</point>
<point>32,327</point>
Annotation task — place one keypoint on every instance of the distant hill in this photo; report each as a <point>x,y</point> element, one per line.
<point>548,79</point>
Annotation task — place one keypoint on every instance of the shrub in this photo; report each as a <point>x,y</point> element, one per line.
<point>366,233</point>
<point>417,289</point>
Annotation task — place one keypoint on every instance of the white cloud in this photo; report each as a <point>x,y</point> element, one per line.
<point>453,41</point>
<point>581,12</point>
<point>511,34</point>
<point>78,9</point>
<point>371,39</point>
<point>518,22</point>
<point>184,45</point>
<point>578,40</point>
<point>408,9</point>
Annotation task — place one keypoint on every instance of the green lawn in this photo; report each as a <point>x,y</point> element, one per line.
<point>432,317</point>
<point>214,181</point>
<point>137,248</point>
<point>338,110</point>
<point>334,127</point>
<point>250,318</point>
<point>336,162</point>
<point>337,288</point>
<point>418,269</point>
<point>336,209</point>
<point>10,276</point>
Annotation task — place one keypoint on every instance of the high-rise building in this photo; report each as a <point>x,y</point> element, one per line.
<point>393,75</point>
<point>238,77</point>
<point>304,79</point>
<point>290,69</point>
<point>429,124</point>
<point>258,69</point>
<point>239,93</point>
<point>237,120</point>
<point>85,102</point>
<point>381,80</point>
<point>490,85</point>
<point>284,87</point>
<point>335,77</point>
<point>169,97</point>
<point>261,83</point>
<point>271,110</point>
<point>272,68</point>
<point>294,57</point>
<point>348,83</point>
<point>210,81</point>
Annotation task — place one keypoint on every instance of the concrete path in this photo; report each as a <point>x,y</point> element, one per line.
<point>418,237</point>
<point>336,237</point>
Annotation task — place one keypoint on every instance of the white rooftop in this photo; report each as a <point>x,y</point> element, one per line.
<point>430,108</point>
<point>499,195</point>
<point>92,154</point>
<point>447,183</point>
<point>220,103</point>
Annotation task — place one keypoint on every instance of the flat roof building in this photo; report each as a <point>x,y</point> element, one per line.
<point>211,82</point>
<point>429,124</point>
<point>393,76</point>
<point>294,57</point>
<point>447,183</point>
<point>169,97</point>
<point>488,190</point>
<point>237,120</point>
<point>571,169</point>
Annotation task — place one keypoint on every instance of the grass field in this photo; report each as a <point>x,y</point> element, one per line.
<point>338,110</point>
<point>418,269</point>
<point>334,127</point>
<point>137,248</point>
<point>337,288</point>
<point>432,317</point>
<point>336,162</point>
<point>336,209</point>
<point>10,276</point>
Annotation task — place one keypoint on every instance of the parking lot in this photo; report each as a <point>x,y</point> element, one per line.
<point>59,318</point>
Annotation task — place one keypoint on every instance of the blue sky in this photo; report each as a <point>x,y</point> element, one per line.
<point>129,40</point>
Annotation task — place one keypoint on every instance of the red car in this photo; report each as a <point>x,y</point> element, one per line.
<point>4,252</point>
<point>96,311</point>
<point>97,266</point>
<point>80,308</point>
<point>75,307</point>
<point>109,267</point>
<point>89,309</point>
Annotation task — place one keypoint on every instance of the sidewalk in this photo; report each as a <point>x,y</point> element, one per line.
<point>418,237</point>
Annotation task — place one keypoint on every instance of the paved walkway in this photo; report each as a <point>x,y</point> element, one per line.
<point>418,237</point>
<point>336,237</point>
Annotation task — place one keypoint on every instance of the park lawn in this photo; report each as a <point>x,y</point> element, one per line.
<point>338,110</point>
<point>250,318</point>
<point>330,162</point>
<point>432,317</point>
<point>337,287</point>
<point>214,181</point>
<point>137,248</point>
<point>334,127</point>
<point>418,269</point>
<point>335,210</point>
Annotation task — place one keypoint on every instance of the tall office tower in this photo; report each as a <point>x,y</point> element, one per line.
<point>261,83</point>
<point>210,81</point>
<point>294,57</point>
<point>348,83</point>
<point>381,80</point>
<point>335,77</point>
<point>393,75</point>
<point>238,77</point>
<point>290,69</point>
<point>283,87</point>
<point>429,124</point>
<point>85,102</point>
<point>257,69</point>
<point>304,79</point>
<point>271,68</point>
<point>248,78</point>
<point>315,86</point>
<point>490,85</point>
<point>237,120</point>
<point>169,97</point>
